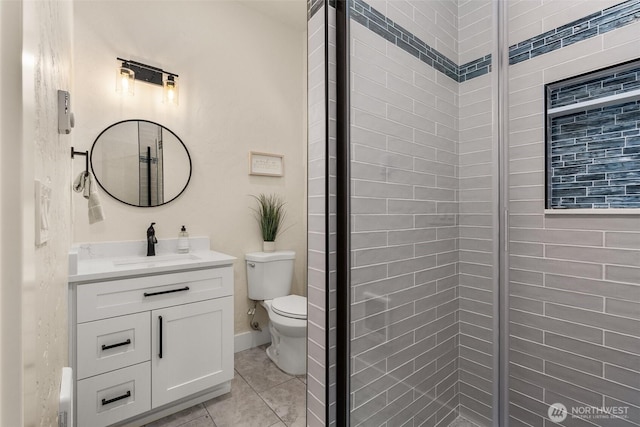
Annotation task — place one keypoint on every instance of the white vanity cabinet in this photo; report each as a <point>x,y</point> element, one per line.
<point>143,347</point>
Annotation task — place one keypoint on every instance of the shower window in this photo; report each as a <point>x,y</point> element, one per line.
<point>593,140</point>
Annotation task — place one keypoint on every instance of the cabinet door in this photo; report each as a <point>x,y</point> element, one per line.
<point>192,347</point>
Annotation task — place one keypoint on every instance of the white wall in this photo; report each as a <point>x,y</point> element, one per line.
<point>242,89</point>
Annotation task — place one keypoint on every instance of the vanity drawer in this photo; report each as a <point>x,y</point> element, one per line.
<point>109,344</point>
<point>101,300</point>
<point>108,398</point>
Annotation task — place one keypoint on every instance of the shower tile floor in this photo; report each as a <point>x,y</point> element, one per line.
<point>462,422</point>
<point>261,396</point>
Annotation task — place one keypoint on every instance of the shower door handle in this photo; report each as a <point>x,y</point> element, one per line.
<point>505,222</point>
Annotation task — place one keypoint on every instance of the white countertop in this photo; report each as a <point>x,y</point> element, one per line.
<point>90,262</point>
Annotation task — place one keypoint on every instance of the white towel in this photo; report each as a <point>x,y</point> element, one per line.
<point>84,184</point>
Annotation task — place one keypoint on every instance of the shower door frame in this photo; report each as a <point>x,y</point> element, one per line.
<point>343,212</point>
<point>500,96</point>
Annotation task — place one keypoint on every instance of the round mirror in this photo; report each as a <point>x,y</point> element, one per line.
<point>140,163</point>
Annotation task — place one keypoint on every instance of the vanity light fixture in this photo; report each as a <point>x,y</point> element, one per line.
<point>129,71</point>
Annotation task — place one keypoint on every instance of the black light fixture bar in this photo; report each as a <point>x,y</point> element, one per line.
<point>146,73</point>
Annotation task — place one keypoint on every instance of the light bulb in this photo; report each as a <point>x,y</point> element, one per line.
<point>171,93</point>
<point>124,80</point>
<point>171,90</point>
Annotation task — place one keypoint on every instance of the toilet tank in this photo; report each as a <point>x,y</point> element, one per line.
<point>269,274</point>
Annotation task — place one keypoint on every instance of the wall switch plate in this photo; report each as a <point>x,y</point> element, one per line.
<point>65,116</point>
<point>43,208</point>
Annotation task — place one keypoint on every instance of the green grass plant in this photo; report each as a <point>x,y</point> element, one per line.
<point>270,215</point>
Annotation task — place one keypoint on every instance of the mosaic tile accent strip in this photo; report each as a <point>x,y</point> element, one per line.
<point>474,68</point>
<point>589,26</point>
<point>312,7</point>
<point>595,158</point>
<point>612,84</point>
<point>378,23</point>
<point>372,19</point>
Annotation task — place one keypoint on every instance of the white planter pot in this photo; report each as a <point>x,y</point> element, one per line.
<point>268,246</point>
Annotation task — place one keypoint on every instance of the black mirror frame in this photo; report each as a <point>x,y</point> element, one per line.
<point>157,124</point>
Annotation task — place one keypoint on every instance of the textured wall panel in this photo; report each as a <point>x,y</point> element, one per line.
<point>48,53</point>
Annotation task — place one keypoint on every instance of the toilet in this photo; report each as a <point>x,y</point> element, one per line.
<point>269,277</point>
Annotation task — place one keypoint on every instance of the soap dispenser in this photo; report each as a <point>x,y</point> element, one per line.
<point>183,241</point>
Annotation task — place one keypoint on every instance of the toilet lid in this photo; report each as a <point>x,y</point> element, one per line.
<point>293,306</point>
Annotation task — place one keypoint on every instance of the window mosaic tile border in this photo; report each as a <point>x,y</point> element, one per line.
<point>593,153</point>
<point>610,84</point>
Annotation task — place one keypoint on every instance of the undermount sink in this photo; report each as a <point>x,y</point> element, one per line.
<point>155,260</point>
<point>106,260</point>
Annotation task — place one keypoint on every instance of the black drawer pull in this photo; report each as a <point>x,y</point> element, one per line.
<point>107,347</point>
<point>160,333</point>
<point>150,294</point>
<point>115,399</point>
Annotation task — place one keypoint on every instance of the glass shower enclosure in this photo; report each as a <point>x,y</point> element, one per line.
<point>481,252</point>
<point>423,202</point>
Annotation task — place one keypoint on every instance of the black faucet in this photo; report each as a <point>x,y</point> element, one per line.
<point>151,240</point>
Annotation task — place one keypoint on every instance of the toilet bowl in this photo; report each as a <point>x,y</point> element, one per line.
<point>269,277</point>
<point>288,333</point>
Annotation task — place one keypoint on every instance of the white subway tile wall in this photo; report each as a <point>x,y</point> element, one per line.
<point>574,280</point>
<point>404,182</point>
<point>476,229</point>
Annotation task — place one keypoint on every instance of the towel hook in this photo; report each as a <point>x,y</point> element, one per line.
<point>81,153</point>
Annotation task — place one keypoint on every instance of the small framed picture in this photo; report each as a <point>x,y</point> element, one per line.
<point>266,164</point>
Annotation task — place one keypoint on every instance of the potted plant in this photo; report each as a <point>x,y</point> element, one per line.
<point>270,215</point>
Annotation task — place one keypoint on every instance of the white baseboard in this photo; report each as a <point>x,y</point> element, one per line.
<point>250,339</point>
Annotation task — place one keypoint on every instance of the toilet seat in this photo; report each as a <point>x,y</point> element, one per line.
<point>292,306</point>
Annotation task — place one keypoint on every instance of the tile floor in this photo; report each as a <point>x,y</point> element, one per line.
<point>261,396</point>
